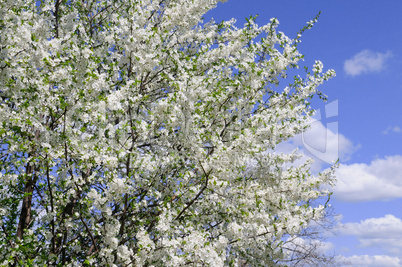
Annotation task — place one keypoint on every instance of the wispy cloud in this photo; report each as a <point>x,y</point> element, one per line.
<point>382,233</point>
<point>372,261</point>
<point>394,129</point>
<point>379,180</point>
<point>320,143</point>
<point>365,62</point>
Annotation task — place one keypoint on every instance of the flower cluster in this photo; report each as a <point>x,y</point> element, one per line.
<point>134,134</point>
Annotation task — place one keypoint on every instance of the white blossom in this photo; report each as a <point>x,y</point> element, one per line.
<point>139,135</point>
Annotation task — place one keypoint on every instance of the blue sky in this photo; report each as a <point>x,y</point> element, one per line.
<point>362,41</point>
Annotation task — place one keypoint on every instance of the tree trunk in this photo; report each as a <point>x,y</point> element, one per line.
<point>25,217</point>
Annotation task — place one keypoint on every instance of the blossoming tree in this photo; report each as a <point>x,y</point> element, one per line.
<point>133,134</point>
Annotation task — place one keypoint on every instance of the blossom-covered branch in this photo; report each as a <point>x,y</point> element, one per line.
<point>134,134</point>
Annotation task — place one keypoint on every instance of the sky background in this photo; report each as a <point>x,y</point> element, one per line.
<point>362,121</point>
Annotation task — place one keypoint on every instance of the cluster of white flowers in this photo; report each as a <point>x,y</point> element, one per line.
<point>132,134</point>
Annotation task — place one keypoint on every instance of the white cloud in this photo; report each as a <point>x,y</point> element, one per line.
<point>322,144</point>
<point>380,180</point>
<point>394,129</point>
<point>365,62</point>
<point>372,261</point>
<point>381,233</point>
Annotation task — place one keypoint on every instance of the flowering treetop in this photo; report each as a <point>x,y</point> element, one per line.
<point>134,134</point>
